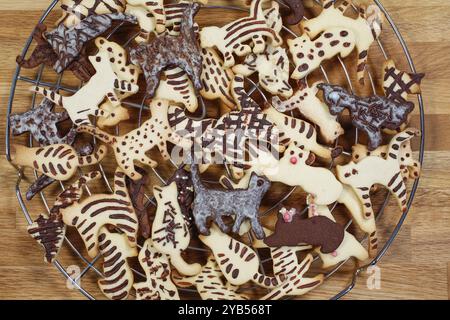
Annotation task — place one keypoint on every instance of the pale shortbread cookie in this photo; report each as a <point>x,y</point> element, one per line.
<point>231,38</point>
<point>170,233</point>
<point>104,83</point>
<point>118,276</point>
<point>158,284</point>
<point>209,283</point>
<point>366,28</point>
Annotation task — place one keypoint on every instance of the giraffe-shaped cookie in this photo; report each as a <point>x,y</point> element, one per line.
<point>230,39</point>
<point>272,66</point>
<point>57,161</point>
<point>309,54</point>
<point>131,147</point>
<point>366,28</point>
<point>312,108</point>
<point>238,262</point>
<point>85,101</point>
<point>89,215</point>
<point>115,112</point>
<point>372,170</point>
<point>150,16</point>
<point>209,283</point>
<point>118,276</point>
<point>170,232</point>
<point>158,284</point>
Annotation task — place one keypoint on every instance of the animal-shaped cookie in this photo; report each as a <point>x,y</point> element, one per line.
<point>238,262</point>
<point>170,232</point>
<point>136,189</point>
<point>85,101</point>
<point>366,28</point>
<point>118,276</point>
<point>272,66</point>
<point>185,193</point>
<point>215,204</point>
<point>318,231</point>
<point>76,10</point>
<point>309,54</point>
<point>150,15</point>
<point>115,112</point>
<point>231,38</point>
<point>398,84</point>
<point>370,114</point>
<point>312,108</point>
<point>372,170</point>
<point>168,51</point>
<point>158,284</point>
<point>299,131</point>
<point>174,14</point>
<point>209,283</point>
<point>69,42</point>
<point>410,167</point>
<point>57,161</point>
<point>131,147</point>
<point>49,232</point>
<point>89,215</point>
<point>216,79</point>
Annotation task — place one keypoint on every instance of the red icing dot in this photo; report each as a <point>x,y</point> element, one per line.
<point>294,160</point>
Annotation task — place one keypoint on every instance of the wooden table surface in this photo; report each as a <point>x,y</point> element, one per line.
<point>417,266</point>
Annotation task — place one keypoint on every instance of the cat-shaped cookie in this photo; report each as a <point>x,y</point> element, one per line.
<point>85,101</point>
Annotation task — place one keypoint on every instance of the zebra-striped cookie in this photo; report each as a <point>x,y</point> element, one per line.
<point>150,15</point>
<point>231,38</point>
<point>57,161</point>
<point>118,276</point>
<point>89,215</point>
<point>76,10</point>
<point>238,262</point>
<point>209,283</point>
<point>158,284</point>
<point>366,28</point>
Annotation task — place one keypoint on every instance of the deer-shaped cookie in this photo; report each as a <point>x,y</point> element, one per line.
<point>230,39</point>
<point>57,161</point>
<point>372,170</point>
<point>158,284</point>
<point>85,101</point>
<point>170,232</point>
<point>312,108</point>
<point>89,215</point>
<point>366,28</point>
<point>272,66</point>
<point>118,276</point>
<point>131,147</point>
<point>209,283</point>
<point>238,262</point>
<point>309,54</point>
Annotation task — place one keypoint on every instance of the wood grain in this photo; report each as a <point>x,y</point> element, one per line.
<point>417,266</point>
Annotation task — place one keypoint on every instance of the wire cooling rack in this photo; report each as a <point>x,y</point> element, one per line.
<point>90,263</point>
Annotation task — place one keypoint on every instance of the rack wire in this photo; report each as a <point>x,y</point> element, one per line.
<point>90,264</point>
